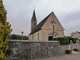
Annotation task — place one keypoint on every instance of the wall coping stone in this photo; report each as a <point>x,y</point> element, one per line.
<point>29,41</point>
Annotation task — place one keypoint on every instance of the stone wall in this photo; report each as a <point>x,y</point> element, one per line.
<point>30,49</point>
<point>63,48</point>
<point>33,49</point>
<point>68,47</point>
<point>78,45</point>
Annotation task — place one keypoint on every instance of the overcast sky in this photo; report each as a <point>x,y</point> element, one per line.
<point>19,14</point>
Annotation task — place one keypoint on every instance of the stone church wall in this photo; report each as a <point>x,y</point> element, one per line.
<point>33,49</point>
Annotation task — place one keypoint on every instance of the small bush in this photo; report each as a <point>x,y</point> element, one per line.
<point>75,49</point>
<point>68,51</point>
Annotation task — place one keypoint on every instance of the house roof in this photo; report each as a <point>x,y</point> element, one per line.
<point>38,27</point>
<point>76,32</point>
<point>79,32</point>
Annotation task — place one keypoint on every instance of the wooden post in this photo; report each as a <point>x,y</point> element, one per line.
<point>22,35</point>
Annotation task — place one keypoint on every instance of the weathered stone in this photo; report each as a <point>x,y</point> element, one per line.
<point>33,49</point>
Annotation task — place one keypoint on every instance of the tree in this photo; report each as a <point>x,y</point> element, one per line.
<point>19,37</point>
<point>25,38</point>
<point>13,36</point>
<point>72,33</point>
<point>9,37</point>
<point>5,31</point>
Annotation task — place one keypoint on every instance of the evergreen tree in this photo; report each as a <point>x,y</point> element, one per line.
<point>13,36</point>
<point>9,37</point>
<point>5,31</point>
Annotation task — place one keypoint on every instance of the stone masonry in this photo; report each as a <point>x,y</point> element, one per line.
<point>23,49</point>
<point>32,49</point>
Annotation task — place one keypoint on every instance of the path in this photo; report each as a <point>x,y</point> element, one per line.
<point>73,56</point>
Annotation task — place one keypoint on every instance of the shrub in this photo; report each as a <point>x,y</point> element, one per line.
<point>65,40</point>
<point>13,36</point>
<point>75,49</point>
<point>62,40</point>
<point>5,31</point>
<point>73,39</point>
<point>68,51</point>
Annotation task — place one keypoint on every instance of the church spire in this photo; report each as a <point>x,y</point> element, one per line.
<point>34,16</point>
<point>33,20</point>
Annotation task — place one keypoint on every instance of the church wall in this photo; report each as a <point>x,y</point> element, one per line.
<point>48,25</point>
<point>34,36</point>
<point>61,33</point>
<point>30,37</point>
<point>40,35</point>
<point>46,32</point>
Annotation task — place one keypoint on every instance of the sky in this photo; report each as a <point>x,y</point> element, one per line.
<point>19,14</point>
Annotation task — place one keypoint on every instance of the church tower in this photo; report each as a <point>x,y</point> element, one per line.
<point>33,20</point>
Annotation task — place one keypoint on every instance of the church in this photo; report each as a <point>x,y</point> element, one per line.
<point>45,29</point>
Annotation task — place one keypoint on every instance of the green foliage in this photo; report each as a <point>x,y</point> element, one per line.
<point>19,37</point>
<point>13,36</point>
<point>4,32</point>
<point>25,38</point>
<point>68,50</point>
<point>65,40</point>
<point>73,39</point>
<point>62,40</point>
<point>75,49</point>
<point>9,37</point>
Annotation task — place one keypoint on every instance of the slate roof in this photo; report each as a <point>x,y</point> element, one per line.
<point>38,27</point>
<point>79,32</point>
<point>34,16</point>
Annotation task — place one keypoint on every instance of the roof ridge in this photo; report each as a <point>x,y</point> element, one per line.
<point>38,27</point>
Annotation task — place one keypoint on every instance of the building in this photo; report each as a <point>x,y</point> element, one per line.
<point>76,35</point>
<point>44,30</point>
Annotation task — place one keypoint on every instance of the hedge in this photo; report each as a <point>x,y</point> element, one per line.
<point>65,40</point>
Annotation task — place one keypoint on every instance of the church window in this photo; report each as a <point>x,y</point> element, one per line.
<point>38,36</point>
